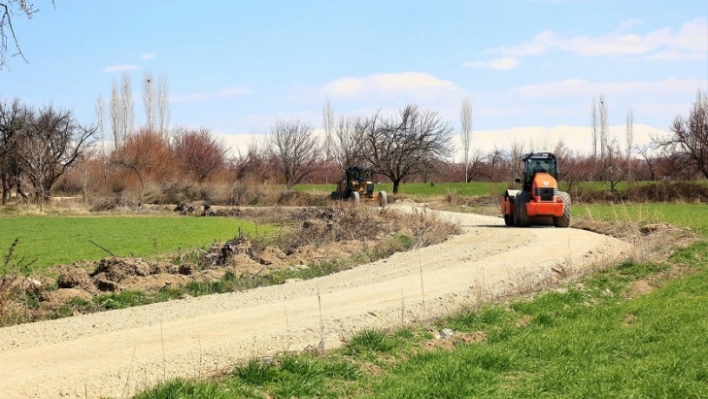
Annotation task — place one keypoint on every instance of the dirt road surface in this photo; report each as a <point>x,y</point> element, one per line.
<point>117,353</point>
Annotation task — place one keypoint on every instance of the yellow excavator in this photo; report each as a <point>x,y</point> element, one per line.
<point>356,185</point>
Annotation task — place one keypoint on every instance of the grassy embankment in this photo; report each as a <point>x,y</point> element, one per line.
<point>65,239</point>
<point>635,330</point>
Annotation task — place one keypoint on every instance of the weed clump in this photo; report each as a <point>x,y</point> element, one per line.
<point>18,293</point>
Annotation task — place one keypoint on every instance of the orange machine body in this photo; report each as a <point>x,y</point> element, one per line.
<point>544,198</point>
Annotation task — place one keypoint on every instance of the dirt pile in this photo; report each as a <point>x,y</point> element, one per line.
<point>116,274</point>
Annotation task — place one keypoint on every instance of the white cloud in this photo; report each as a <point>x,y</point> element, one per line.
<point>626,26</point>
<point>122,68</point>
<point>575,138</point>
<point>147,56</point>
<point>241,142</point>
<point>232,91</point>
<point>389,85</point>
<point>504,63</point>
<point>676,55</point>
<point>188,98</point>
<point>691,41</point>
<point>539,44</point>
<point>583,88</point>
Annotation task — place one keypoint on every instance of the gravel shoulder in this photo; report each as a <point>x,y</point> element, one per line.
<point>116,353</point>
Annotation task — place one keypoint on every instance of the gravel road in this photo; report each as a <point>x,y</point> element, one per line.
<point>114,354</point>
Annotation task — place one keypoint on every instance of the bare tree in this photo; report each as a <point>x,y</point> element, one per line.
<point>149,100</point>
<point>13,118</point>
<point>497,164</point>
<point>630,131</point>
<point>163,106</point>
<point>50,143</point>
<point>474,166</point>
<point>604,128</point>
<point>117,116</point>
<point>466,122</point>
<point>328,124</point>
<point>251,163</point>
<point>101,126</point>
<point>645,152</point>
<point>348,134</point>
<point>199,153</point>
<point>574,168</point>
<point>34,157</point>
<point>128,109</point>
<point>144,153</point>
<point>516,155</point>
<point>630,141</point>
<point>613,170</point>
<point>10,9</point>
<point>593,112</point>
<point>411,143</point>
<point>689,138</point>
<point>294,148</point>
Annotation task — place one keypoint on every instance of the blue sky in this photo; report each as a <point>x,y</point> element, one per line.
<point>238,66</point>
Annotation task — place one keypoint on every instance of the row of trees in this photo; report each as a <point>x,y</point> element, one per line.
<point>414,145</point>
<point>412,142</point>
<point>40,146</point>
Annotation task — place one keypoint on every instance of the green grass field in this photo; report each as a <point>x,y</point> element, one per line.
<point>425,190</point>
<point>65,239</point>
<point>694,216</point>
<point>421,189</point>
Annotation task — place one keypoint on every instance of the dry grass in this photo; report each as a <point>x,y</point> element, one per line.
<point>343,221</point>
<point>653,242</point>
<point>14,284</point>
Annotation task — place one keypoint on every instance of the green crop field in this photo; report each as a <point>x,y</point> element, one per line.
<point>65,239</point>
<point>694,216</point>
<point>475,189</point>
<point>422,189</point>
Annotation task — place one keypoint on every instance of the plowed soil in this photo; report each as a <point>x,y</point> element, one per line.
<point>117,353</point>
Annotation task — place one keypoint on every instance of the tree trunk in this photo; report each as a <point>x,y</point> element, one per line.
<point>22,194</point>
<point>5,189</point>
<point>396,183</point>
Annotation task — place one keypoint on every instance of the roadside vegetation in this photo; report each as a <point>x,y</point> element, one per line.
<point>629,330</point>
<point>98,263</point>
